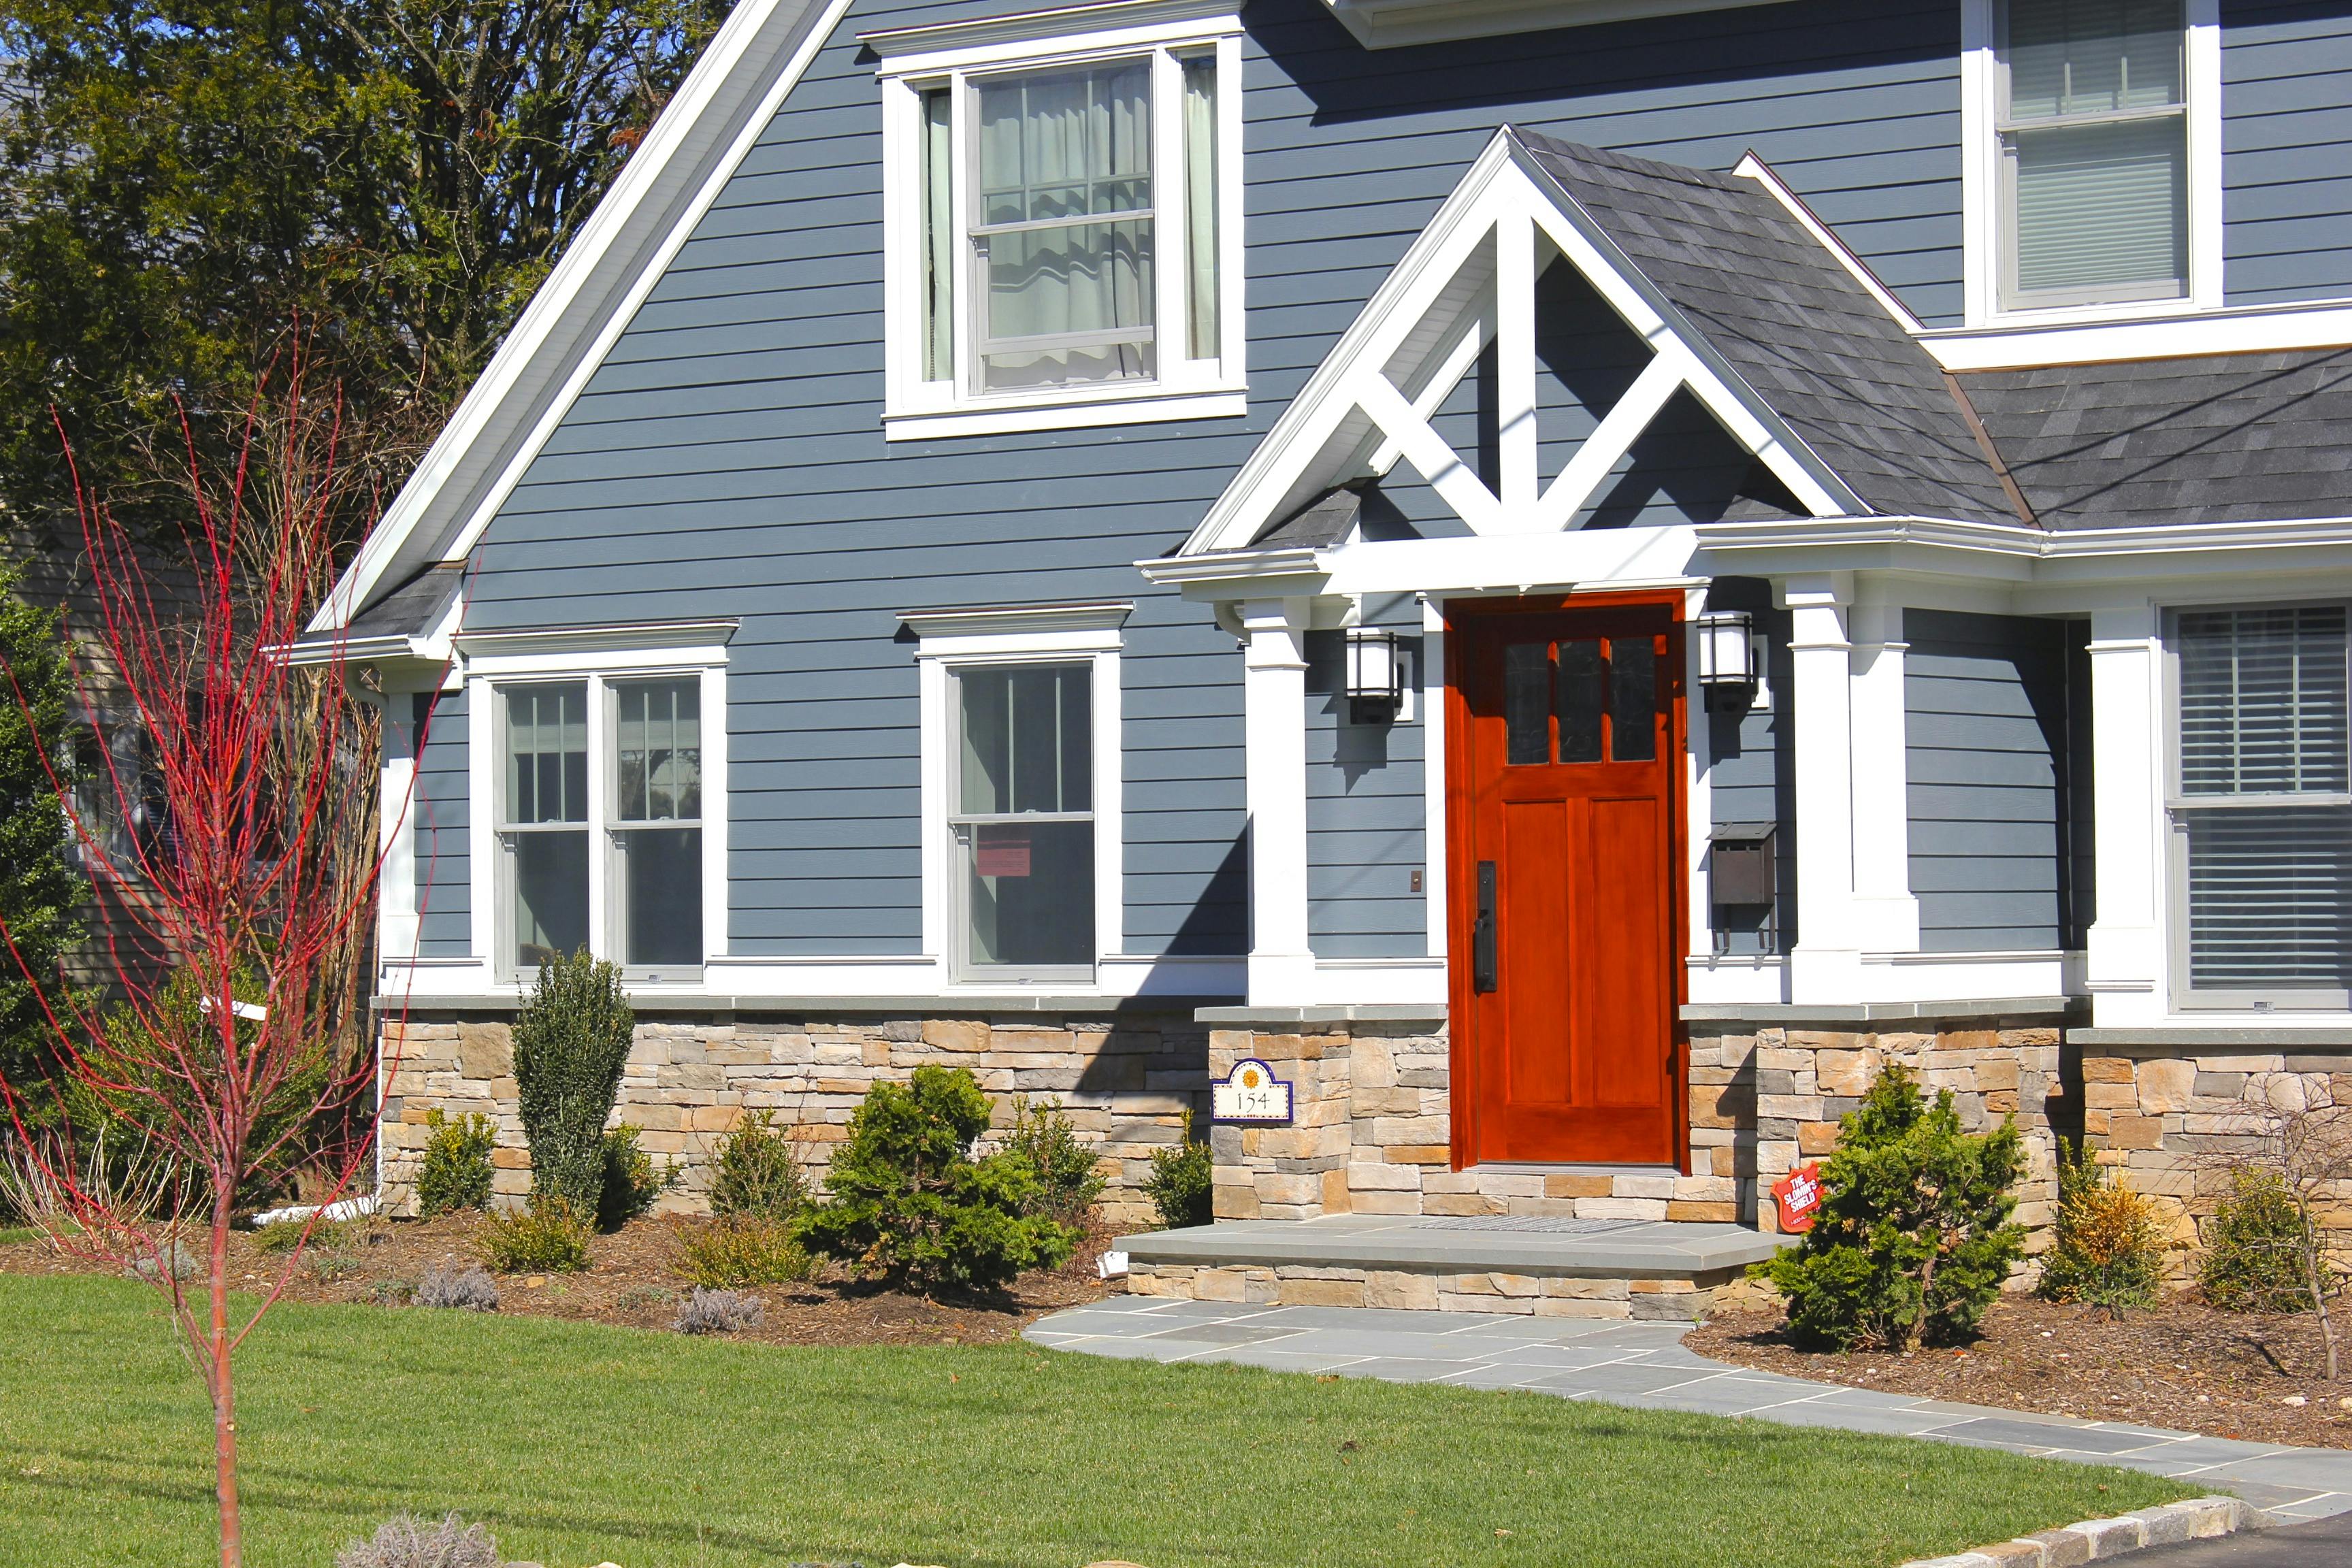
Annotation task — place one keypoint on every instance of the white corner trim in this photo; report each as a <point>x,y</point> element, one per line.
<point>536,333</point>
<point>2257,329</point>
<point>1751,167</point>
<point>945,44</point>
<point>1073,412</point>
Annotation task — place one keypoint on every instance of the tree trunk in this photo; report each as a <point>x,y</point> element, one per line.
<point>224,1390</point>
<point>2312,1274</point>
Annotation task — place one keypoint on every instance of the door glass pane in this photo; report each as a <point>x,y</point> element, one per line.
<point>550,895</point>
<point>1028,740</point>
<point>661,895</point>
<point>1526,703</point>
<point>657,736</point>
<point>1632,698</point>
<point>1581,697</point>
<point>547,753</point>
<point>1030,892</point>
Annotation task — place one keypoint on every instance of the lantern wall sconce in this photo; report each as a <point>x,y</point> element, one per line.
<point>1731,661</point>
<point>1376,688</point>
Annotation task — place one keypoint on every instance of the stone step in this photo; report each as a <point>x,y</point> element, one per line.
<point>1506,1263</point>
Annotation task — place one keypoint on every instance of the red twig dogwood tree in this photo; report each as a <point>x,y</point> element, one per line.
<point>253,879</point>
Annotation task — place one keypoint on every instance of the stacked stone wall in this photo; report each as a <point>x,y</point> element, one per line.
<point>1126,1084</point>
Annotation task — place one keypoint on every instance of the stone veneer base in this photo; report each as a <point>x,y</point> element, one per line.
<point>1684,1298</point>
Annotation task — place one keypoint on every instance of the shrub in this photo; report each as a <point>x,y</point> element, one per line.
<point>183,1261</point>
<point>755,1171</point>
<point>1913,1239</point>
<point>718,1313</point>
<point>571,1042</point>
<point>406,1542</point>
<point>545,1236</point>
<point>457,1174</point>
<point>1067,1181</point>
<point>910,1202</point>
<point>326,1235</point>
<point>631,1183</point>
<point>1179,1186</point>
<point>2253,1258</point>
<point>467,1289</point>
<point>2109,1251</point>
<point>736,1250</point>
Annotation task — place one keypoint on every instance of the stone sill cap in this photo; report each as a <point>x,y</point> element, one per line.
<point>2049,1009</point>
<point>959,1006</point>
<point>1351,1013</point>
<point>2219,1035</point>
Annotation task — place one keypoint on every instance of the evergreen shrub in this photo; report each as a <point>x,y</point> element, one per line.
<point>1179,1186</point>
<point>1913,1237</point>
<point>911,1205</point>
<point>545,1236</point>
<point>738,1250</point>
<point>2253,1259</point>
<point>457,1174</point>
<point>2109,1250</point>
<point>631,1181</point>
<point>571,1042</point>
<point>1068,1181</point>
<point>754,1170</point>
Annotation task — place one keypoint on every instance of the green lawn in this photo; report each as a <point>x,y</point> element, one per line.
<point>580,1444</point>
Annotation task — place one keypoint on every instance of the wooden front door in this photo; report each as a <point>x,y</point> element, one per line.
<point>1565,744</point>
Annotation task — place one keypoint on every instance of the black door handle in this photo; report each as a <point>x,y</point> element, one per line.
<point>1482,935</point>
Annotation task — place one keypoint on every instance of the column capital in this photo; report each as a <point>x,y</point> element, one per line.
<point>1274,632</point>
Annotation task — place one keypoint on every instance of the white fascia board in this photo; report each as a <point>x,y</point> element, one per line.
<point>2262,329</point>
<point>1751,167</point>
<point>1398,24</point>
<point>588,298</point>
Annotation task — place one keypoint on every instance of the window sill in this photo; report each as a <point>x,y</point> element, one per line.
<point>1066,413</point>
<point>2091,315</point>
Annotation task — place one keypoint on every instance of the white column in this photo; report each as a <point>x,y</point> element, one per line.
<point>1274,708</point>
<point>1825,965</point>
<point>1886,913</point>
<point>2125,965</point>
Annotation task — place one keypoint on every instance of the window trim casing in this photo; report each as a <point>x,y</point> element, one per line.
<point>2185,996</point>
<point>914,408</point>
<point>488,675</point>
<point>949,641</point>
<point>1982,178</point>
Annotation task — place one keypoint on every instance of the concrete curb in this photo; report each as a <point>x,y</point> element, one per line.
<point>2097,1540</point>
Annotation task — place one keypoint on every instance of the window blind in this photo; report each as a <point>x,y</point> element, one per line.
<point>2265,735</point>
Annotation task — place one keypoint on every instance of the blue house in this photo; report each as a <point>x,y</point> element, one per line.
<point>1572,577</point>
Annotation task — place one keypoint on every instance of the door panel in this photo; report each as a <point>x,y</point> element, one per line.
<point>1565,778</point>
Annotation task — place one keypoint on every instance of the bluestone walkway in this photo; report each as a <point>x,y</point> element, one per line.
<point>1645,1365</point>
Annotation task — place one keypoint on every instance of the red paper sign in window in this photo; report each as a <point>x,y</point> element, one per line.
<point>1800,1195</point>
<point>1001,852</point>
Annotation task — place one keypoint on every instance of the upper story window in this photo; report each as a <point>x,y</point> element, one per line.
<point>2262,806</point>
<point>2096,171</point>
<point>1063,243</point>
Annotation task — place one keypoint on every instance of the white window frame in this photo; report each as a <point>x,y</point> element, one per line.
<point>1982,176</point>
<point>917,58</point>
<point>489,676</point>
<point>951,641</point>
<point>2185,996</point>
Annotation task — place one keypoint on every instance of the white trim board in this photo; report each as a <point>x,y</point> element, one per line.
<point>694,144</point>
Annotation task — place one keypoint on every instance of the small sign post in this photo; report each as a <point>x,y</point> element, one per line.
<point>1800,1196</point>
<point>1252,1094</point>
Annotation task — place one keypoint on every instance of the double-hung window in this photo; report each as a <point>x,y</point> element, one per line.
<point>2262,806</point>
<point>600,821</point>
<point>2093,127</point>
<point>1064,230</point>
<point>1023,817</point>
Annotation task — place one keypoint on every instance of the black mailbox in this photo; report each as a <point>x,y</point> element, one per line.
<point>1740,863</point>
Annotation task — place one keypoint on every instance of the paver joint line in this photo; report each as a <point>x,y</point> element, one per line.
<point>2301,1483</point>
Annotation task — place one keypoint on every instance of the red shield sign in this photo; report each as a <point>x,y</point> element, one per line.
<point>1800,1196</point>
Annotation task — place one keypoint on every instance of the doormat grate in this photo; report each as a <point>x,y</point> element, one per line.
<point>1541,1225</point>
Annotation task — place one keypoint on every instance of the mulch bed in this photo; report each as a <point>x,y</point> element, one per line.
<point>630,1283</point>
<point>2180,1365</point>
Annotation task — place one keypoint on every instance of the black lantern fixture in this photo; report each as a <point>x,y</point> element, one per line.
<point>1375,675</point>
<point>1730,664</point>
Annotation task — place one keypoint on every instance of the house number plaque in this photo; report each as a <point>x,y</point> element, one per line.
<point>1250,1093</point>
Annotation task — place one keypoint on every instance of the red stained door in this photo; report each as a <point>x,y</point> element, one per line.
<point>1566,750</point>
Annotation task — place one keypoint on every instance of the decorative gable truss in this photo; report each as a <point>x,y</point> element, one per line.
<point>1467,283</point>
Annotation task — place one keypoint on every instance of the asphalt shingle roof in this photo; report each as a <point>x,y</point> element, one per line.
<point>2218,438</point>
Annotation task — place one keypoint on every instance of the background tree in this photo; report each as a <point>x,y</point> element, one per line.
<point>224,1068</point>
<point>38,889</point>
<point>183,182</point>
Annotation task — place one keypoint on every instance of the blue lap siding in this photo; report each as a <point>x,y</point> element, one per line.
<point>441,817</point>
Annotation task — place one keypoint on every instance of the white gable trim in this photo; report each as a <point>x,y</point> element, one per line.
<point>1352,420</point>
<point>564,310</point>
